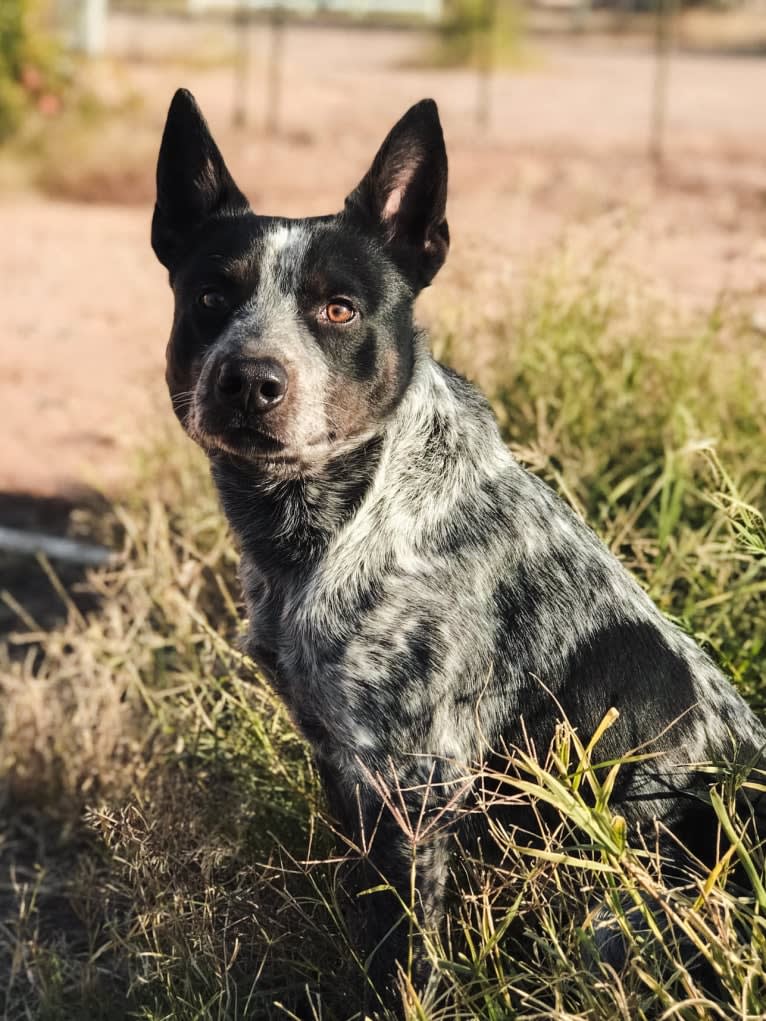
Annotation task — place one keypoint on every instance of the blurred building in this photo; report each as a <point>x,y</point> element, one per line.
<point>431,9</point>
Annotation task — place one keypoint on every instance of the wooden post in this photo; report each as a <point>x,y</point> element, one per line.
<point>487,28</point>
<point>662,43</point>
<point>242,21</point>
<point>274,82</point>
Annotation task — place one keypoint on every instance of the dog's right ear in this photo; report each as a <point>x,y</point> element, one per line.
<point>193,183</point>
<point>403,195</point>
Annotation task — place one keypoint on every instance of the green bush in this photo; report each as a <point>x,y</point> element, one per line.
<point>478,33</point>
<point>27,61</point>
<point>12,38</point>
<point>12,103</point>
<point>11,48</point>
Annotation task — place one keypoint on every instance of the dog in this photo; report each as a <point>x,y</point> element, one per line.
<point>419,600</point>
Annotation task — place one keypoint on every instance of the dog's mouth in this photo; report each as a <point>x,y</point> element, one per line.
<point>273,455</point>
<point>245,438</point>
<point>269,452</point>
<point>245,442</point>
<point>239,438</point>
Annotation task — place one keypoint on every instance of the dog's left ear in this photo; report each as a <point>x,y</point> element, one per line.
<point>193,182</point>
<point>404,194</point>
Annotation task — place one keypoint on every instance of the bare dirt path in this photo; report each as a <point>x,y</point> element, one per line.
<point>86,309</point>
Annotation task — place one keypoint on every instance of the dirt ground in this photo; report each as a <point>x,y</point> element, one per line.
<point>86,309</point>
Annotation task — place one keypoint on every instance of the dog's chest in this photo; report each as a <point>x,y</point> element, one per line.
<point>301,633</point>
<point>360,646</point>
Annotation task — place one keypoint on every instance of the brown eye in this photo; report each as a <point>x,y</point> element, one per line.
<point>339,312</point>
<point>213,301</point>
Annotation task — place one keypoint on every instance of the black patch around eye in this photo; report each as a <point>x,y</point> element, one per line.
<point>343,264</point>
<point>210,319</point>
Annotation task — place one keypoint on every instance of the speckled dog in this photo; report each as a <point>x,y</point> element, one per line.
<point>421,601</point>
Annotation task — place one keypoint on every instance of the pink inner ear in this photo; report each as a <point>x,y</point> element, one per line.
<point>401,180</point>
<point>394,200</point>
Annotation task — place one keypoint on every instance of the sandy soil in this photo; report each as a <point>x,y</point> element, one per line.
<point>86,309</point>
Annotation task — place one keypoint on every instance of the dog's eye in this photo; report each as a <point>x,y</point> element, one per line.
<point>213,301</point>
<point>339,311</point>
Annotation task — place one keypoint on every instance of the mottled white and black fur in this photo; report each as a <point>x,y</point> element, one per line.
<point>422,602</point>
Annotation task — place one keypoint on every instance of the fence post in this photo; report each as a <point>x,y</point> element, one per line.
<point>242,22</point>
<point>487,62</point>
<point>89,35</point>
<point>274,82</point>
<point>662,41</point>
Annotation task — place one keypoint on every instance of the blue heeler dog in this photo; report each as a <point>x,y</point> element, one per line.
<point>420,601</point>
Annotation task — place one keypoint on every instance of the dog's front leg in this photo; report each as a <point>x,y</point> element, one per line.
<point>396,878</point>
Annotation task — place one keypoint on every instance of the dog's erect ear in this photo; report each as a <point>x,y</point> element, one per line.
<point>404,193</point>
<point>193,183</point>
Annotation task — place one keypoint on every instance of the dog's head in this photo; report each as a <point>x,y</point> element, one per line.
<point>293,339</point>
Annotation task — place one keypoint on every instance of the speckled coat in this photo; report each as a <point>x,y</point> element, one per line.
<point>422,603</point>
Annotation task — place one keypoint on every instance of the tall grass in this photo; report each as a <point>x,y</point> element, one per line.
<point>163,849</point>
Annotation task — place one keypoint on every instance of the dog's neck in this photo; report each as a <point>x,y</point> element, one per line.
<point>285,524</point>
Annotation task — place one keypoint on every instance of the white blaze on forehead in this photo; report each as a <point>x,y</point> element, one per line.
<point>284,248</point>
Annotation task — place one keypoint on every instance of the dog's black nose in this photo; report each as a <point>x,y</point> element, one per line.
<point>252,384</point>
